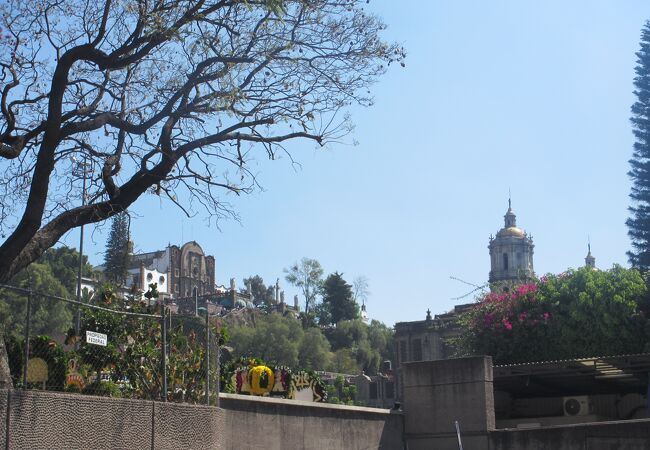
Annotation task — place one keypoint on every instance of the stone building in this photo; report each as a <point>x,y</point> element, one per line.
<point>179,271</point>
<point>424,340</point>
<point>377,391</point>
<point>511,255</point>
<point>511,263</point>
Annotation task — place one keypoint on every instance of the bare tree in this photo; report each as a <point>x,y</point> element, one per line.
<point>308,276</point>
<point>168,97</point>
<point>360,289</point>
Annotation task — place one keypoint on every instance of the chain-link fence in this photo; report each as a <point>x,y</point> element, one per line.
<point>105,344</point>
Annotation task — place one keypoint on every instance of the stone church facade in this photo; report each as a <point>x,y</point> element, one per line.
<point>178,270</point>
<point>511,264</point>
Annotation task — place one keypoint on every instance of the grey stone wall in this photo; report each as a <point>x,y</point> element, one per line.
<point>48,420</point>
<point>439,393</point>
<point>254,422</point>
<point>44,420</point>
<point>181,426</point>
<point>437,397</point>
<point>3,415</point>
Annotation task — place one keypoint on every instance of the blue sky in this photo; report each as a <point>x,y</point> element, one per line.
<point>521,95</point>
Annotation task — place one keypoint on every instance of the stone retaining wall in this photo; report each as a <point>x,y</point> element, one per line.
<point>49,420</point>
<point>256,422</point>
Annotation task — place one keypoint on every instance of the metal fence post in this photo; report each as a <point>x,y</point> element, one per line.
<point>77,325</point>
<point>218,355</point>
<point>164,352</point>
<point>207,357</point>
<point>27,325</point>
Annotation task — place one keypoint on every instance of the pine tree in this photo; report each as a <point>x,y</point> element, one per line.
<point>639,221</point>
<point>338,302</point>
<point>116,256</point>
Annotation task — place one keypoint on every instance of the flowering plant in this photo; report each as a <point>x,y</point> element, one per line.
<point>499,321</point>
<point>260,380</point>
<point>253,377</point>
<point>578,313</point>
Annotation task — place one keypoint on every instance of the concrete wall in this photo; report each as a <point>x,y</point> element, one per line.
<point>439,393</point>
<point>255,422</point>
<point>4,413</point>
<point>40,420</point>
<point>628,435</point>
<point>181,426</point>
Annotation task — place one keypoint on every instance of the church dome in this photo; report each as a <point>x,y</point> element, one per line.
<point>511,231</point>
<point>511,254</point>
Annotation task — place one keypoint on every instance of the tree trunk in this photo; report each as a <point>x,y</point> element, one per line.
<point>5,374</point>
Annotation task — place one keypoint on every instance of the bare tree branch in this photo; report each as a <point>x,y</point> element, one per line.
<point>171,98</point>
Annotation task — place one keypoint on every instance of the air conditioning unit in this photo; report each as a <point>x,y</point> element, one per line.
<point>577,406</point>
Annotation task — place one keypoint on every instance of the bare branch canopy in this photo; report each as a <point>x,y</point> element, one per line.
<point>169,97</point>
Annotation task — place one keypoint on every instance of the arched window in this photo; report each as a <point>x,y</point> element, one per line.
<point>505,261</point>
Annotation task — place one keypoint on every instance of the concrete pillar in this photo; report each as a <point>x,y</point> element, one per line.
<point>438,393</point>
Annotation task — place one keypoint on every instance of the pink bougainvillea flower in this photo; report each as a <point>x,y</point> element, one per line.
<point>526,289</point>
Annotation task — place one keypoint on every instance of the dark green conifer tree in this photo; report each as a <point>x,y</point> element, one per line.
<point>338,302</point>
<point>116,256</point>
<point>639,221</point>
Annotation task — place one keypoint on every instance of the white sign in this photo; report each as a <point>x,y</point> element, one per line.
<point>96,338</point>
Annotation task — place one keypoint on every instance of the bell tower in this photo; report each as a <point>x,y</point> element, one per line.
<point>511,255</point>
<point>590,261</point>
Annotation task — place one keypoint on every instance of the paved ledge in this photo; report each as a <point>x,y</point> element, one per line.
<point>300,403</point>
<point>628,422</point>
